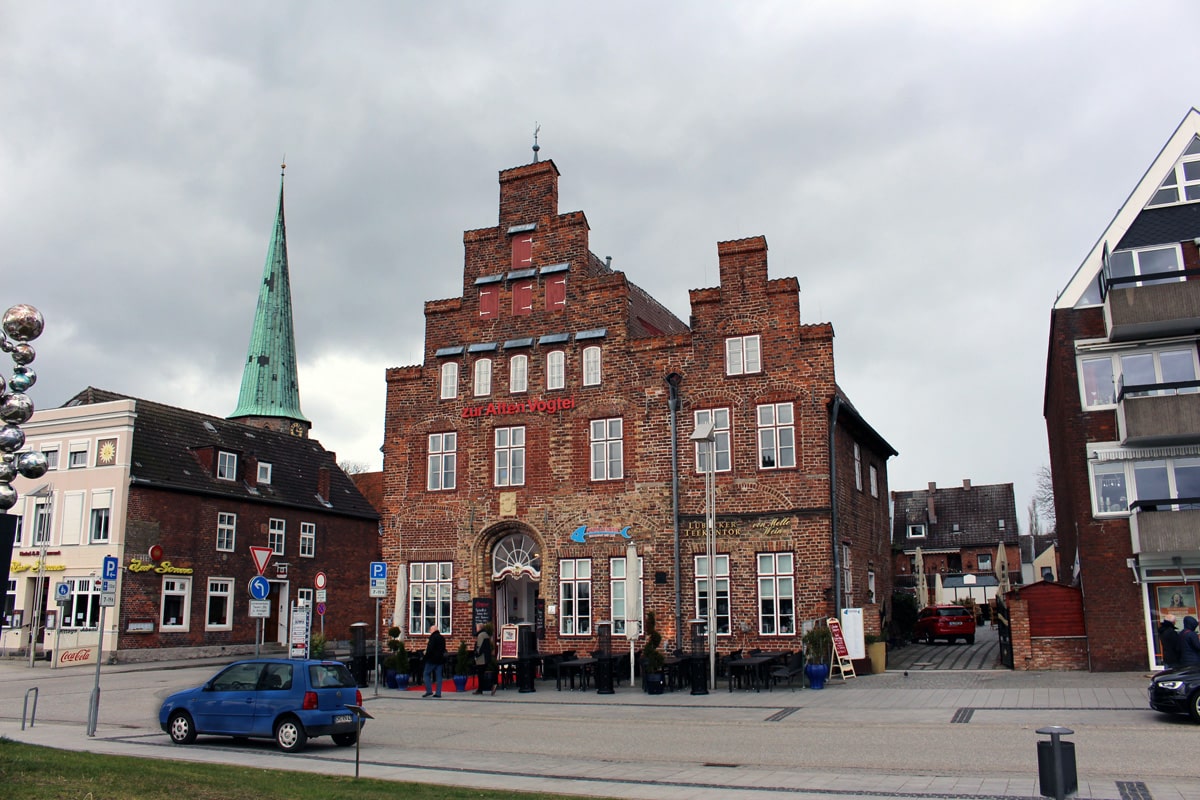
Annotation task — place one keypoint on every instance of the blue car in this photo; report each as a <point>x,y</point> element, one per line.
<point>285,700</point>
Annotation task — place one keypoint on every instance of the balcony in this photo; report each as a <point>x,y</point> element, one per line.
<point>1156,528</point>
<point>1153,415</point>
<point>1151,310</point>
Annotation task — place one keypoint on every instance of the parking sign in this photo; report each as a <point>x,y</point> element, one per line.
<point>379,570</point>
<point>110,568</point>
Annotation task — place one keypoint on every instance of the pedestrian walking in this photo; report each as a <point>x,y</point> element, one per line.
<point>485,660</point>
<point>1168,639</point>
<point>435,657</point>
<point>1189,642</point>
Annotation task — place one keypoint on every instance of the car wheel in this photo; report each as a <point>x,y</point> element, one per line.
<point>181,728</point>
<point>1194,706</point>
<point>290,735</point>
<point>970,640</point>
<point>345,739</point>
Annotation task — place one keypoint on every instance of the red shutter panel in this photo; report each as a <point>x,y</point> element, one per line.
<point>522,251</point>
<point>556,293</point>
<point>522,298</point>
<point>489,302</point>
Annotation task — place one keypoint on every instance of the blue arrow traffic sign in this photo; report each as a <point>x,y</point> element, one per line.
<point>378,570</point>
<point>259,588</point>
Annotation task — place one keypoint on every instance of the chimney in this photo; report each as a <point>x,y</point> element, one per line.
<point>251,476</point>
<point>323,482</point>
<point>930,511</point>
<point>966,484</point>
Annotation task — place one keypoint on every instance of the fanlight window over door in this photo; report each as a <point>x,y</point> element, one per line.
<point>515,556</point>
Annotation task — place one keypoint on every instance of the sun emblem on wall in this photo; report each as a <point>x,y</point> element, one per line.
<point>106,452</point>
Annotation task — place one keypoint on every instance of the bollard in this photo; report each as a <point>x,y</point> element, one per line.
<point>1056,763</point>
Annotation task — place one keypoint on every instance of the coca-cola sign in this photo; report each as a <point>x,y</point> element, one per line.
<point>76,655</point>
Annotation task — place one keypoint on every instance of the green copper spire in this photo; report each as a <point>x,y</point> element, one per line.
<point>270,392</point>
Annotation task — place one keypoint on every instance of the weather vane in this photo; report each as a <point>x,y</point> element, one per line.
<point>536,129</point>
<point>21,324</point>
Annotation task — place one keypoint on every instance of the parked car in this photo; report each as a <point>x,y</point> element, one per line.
<point>269,698</point>
<point>1177,691</point>
<point>945,621</point>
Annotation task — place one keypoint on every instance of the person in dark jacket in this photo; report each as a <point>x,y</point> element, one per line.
<point>1168,638</point>
<point>485,662</point>
<point>1189,643</point>
<point>435,657</point>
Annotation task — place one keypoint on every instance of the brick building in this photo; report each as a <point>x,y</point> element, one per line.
<point>550,424</point>
<point>1122,408</point>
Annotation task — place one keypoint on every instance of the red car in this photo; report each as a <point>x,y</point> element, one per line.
<point>947,622</point>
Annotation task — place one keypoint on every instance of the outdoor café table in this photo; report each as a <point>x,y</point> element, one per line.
<point>753,667</point>
<point>580,665</point>
<point>673,671</point>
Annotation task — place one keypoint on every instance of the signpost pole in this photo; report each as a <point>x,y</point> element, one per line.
<point>258,634</point>
<point>377,646</point>
<point>94,706</point>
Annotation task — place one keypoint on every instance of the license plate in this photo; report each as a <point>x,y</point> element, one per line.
<point>339,719</point>
<point>953,624</point>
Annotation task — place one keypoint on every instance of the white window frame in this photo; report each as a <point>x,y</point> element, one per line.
<point>99,526</point>
<point>430,585</point>
<point>264,472</point>
<point>448,384</point>
<point>1136,257</point>
<point>442,462</point>
<point>575,597</point>
<point>226,531</point>
<point>483,377</point>
<point>77,455</point>
<point>721,577</point>
<point>743,355</point>
<point>51,454</point>
<point>722,432</point>
<point>556,370</point>
<point>776,594</point>
<point>509,456</point>
<point>776,437</point>
<point>277,535</point>
<point>83,610</point>
<point>1123,476</point>
<point>305,597</point>
<point>874,473</point>
<point>983,561</point>
<point>616,592</point>
<point>175,586</point>
<point>219,589</point>
<point>847,579</point>
<point>591,366</point>
<point>41,522</point>
<point>518,374</point>
<point>916,531</point>
<point>607,438</point>
<point>308,539</point>
<point>9,609</point>
<point>1114,359</point>
<point>226,465</point>
<point>857,467</point>
<point>1178,180</point>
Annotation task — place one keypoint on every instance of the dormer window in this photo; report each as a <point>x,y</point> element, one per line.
<point>264,472</point>
<point>916,531</point>
<point>226,466</point>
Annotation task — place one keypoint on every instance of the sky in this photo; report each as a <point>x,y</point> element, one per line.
<point>932,172</point>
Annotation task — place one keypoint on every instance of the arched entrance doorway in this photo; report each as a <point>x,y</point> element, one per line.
<point>516,578</point>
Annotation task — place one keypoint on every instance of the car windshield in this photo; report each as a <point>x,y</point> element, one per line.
<point>330,676</point>
<point>952,612</point>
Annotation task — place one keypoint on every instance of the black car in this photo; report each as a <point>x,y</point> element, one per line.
<point>1177,691</point>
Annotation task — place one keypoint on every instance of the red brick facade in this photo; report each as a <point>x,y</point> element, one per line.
<point>782,509</point>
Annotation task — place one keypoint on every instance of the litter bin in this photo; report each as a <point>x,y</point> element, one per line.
<point>358,653</point>
<point>698,659</point>
<point>1057,776</point>
<point>526,670</point>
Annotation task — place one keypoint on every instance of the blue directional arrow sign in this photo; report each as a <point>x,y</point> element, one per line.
<point>259,588</point>
<point>379,570</point>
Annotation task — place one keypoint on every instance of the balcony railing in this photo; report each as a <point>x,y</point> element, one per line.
<point>1158,414</point>
<point>1165,525</point>
<point>1152,305</point>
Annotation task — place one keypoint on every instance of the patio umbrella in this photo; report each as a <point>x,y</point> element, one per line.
<point>938,590</point>
<point>1002,569</point>
<point>398,610</point>
<point>922,585</point>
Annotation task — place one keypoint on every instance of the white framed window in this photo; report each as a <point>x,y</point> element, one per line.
<point>870,586</point>
<point>98,526</point>
<point>518,374</point>
<point>51,454</point>
<point>1110,494</point>
<point>608,449</point>
<point>776,436</point>
<point>1139,373</point>
<point>10,604</point>
<point>226,531</point>
<point>510,456</point>
<point>305,597</point>
<point>430,584</point>
<point>226,466</point>
<point>719,417</point>
<point>591,366</point>
<point>618,582</point>
<point>449,382</point>
<point>277,535</point>
<point>1097,381</point>
<point>847,579</point>
<point>556,369</point>
<point>264,472</point>
<point>1155,484</point>
<point>483,377</point>
<point>857,467</point>
<point>42,521</point>
<point>984,560</point>
<point>575,597</point>
<point>1183,182</point>
<point>721,581</point>
<point>218,615</point>
<point>742,355</point>
<point>1157,263</point>
<point>443,460</point>
<point>916,531</point>
<point>83,609</point>
<point>77,456</point>
<point>308,539</point>
<point>874,473</point>
<point>776,594</point>
<point>175,611</point>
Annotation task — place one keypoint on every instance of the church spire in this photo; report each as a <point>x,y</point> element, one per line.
<point>270,393</point>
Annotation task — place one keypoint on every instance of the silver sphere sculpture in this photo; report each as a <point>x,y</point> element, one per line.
<point>19,326</point>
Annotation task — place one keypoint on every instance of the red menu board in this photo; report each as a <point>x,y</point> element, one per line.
<point>839,641</point>
<point>508,641</point>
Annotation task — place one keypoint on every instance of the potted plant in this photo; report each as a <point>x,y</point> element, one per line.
<point>653,657</point>
<point>818,646</point>
<point>462,667</point>
<point>396,665</point>
<point>317,645</point>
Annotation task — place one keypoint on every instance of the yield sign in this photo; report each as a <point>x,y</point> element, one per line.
<point>261,556</point>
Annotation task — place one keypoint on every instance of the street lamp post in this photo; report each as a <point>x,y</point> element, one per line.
<point>705,433</point>
<point>42,532</point>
